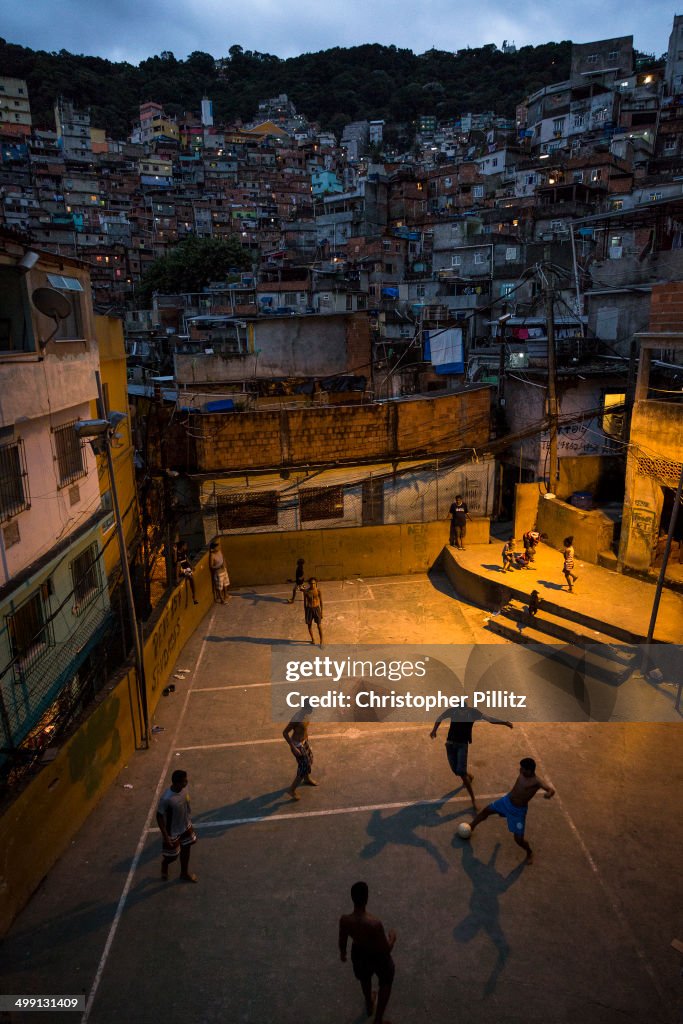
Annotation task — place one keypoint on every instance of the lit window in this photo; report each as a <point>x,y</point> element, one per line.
<point>613,421</point>
<point>479,257</point>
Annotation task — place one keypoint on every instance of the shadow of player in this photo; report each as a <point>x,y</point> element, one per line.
<point>549,585</point>
<point>399,828</point>
<point>488,885</point>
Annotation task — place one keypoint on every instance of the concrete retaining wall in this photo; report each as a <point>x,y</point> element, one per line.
<point>479,590</point>
<point>395,550</point>
<point>526,507</point>
<point>592,531</point>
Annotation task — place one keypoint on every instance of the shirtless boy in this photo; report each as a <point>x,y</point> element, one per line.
<point>514,805</point>
<point>370,951</point>
<point>296,734</point>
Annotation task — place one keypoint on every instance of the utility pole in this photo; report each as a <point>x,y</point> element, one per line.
<point>629,397</point>
<point>665,559</point>
<point>553,468</point>
<point>645,661</point>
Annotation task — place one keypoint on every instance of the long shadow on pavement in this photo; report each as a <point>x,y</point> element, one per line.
<point>45,943</point>
<point>268,640</point>
<point>399,828</point>
<point>260,598</point>
<point>221,819</point>
<point>488,885</point>
<point>551,586</point>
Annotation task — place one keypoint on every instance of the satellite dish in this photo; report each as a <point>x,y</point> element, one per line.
<point>52,303</point>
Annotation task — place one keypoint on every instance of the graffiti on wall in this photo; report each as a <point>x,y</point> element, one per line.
<point>583,438</point>
<point>163,644</point>
<point>643,522</point>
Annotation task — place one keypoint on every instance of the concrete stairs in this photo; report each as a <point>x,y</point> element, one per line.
<point>568,636</point>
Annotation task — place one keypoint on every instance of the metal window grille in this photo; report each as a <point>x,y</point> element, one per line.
<point>69,447</point>
<point>14,495</point>
<point>85,575</point>
<point>30,635</point>
<point>321,503</point>
<point>242,510</point>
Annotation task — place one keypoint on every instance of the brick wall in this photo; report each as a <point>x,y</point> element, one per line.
<point>358,345</point>
<point>295,437</point>
<point>666,307</point>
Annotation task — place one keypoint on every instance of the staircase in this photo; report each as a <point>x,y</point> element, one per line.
<point>568,636</point>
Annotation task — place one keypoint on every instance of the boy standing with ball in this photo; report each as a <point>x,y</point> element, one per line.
<point>514,805</point>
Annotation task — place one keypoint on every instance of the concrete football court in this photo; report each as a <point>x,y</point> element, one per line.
<point>583,934</point>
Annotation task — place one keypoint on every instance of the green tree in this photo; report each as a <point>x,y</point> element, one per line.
<point>192,264</point>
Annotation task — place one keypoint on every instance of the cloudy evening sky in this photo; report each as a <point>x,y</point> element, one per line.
<point>134,29</point>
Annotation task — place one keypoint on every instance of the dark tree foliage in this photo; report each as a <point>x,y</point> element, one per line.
<point>192,264</point>
<point>357,82</point>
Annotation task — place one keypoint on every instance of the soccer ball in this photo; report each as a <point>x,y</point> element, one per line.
<point>464,830</point>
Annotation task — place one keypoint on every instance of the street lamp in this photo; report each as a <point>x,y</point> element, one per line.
<point>101,433</point>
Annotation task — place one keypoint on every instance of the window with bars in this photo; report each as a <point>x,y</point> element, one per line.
<point>321,503</point>
<point>14,496</point>
<point>30,634</point>
<point>69,453</point>
<point>85,576</point>
<point>473,495</point>
<point>236,511</point>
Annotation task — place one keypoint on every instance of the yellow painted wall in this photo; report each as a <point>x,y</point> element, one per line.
<point>39,825</point>
<point>593,532</point>
<point>172,627</point>
<point>270,558</point>
<point>527,497</point>
<point>109,333</point>
<point>654,461</point>
<point>587,473</point>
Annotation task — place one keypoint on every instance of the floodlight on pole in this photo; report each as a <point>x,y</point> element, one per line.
<point>101,433</point>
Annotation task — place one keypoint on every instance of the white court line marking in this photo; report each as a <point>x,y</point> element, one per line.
<point>360,809</point>
<point>319,736</point>
<point>236,686</point>
<point>241,686</point>
<point>611,898</point>
<point>140,847</point>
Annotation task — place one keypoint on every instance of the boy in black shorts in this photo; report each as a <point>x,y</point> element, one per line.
<point>370,951</point>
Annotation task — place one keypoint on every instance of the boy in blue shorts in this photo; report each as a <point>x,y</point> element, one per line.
<point>514,805</point>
